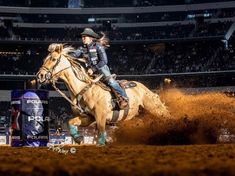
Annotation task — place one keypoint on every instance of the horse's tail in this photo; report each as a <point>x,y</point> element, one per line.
<point>153,104</point>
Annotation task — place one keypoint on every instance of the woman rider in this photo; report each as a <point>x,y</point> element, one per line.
<point>93,50</point>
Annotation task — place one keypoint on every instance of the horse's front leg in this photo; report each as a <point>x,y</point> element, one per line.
<point>74,123</point>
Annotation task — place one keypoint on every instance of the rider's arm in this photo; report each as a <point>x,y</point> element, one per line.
<point>80,52</point>
<point>76,53</point>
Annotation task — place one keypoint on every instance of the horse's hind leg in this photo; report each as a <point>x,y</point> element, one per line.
<point>101,122</point>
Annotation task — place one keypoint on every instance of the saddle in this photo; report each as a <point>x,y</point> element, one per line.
<point>117,101</point>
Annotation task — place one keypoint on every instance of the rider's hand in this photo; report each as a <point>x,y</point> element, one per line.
<point>90,72</point>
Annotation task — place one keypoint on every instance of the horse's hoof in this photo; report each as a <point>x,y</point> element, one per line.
<point>100,145</point>
<point>109,140</point>
<point>79,139</point>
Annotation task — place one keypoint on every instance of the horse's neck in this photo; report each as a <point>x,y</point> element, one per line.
<point>73,84</point>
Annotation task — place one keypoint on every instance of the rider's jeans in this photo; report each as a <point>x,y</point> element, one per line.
<point>111,82</point>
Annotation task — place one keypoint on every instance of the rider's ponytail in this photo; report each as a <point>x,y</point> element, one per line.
<point>104,41</point>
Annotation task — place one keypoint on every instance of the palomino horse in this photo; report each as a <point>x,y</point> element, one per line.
<point>94,102</point>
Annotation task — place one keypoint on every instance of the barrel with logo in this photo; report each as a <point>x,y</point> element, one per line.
<point>29,118</point>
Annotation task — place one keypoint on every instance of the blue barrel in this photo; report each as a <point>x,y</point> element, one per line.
<point>29,118</point>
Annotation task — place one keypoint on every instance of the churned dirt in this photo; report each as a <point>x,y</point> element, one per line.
<point>197,140</point>
<point>195,119</point>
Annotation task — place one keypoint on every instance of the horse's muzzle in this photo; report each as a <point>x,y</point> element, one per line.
<point>43,78</point>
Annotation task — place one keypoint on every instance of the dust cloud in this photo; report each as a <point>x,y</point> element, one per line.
<point>204,118</point>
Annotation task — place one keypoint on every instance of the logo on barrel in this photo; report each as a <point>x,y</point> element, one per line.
<point>38,118</point>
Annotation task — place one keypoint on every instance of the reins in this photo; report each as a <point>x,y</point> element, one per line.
<point>80,74</point>
<point>81,111</point>
<point>80,94</point>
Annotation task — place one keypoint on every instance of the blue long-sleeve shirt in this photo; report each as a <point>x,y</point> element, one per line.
<point>95,54</point>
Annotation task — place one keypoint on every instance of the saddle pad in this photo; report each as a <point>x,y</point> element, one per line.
<point>123,83</point>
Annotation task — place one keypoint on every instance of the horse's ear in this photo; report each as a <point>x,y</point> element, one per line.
<point>55,47</point>
<point>60,48</point>
<point>51,47</point>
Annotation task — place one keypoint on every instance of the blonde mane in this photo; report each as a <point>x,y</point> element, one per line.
<point>65,50</point>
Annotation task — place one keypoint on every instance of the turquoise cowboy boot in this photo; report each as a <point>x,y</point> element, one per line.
<point>101,139</point>
<point>74,133</point>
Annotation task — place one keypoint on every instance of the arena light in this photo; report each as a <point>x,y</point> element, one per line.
<point>91,20</point>
<point>207,14</point>
<point>191,16</point>
<point>10,53</point>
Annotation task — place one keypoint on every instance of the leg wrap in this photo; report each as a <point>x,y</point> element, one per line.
<point>101,140</point>
<point>74,133</point>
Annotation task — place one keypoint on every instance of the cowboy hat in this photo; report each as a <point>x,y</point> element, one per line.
<point>89,32</point>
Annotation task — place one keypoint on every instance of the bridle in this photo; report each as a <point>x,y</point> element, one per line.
<point>49,76</point>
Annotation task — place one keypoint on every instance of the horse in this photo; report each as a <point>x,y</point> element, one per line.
<point>90,102</point>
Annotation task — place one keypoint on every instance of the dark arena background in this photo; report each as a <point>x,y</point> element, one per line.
<point>184,50</point>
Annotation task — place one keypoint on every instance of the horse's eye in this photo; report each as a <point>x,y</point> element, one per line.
<point>53,59</point>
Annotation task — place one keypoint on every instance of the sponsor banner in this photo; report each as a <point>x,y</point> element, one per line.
<point>29,118</point>
<point>57,139</point>
<point>68,140</point>
<point>3,140</point>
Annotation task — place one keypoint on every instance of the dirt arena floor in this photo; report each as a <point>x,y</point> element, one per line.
<point>197,140</point>
<point>120,160</point>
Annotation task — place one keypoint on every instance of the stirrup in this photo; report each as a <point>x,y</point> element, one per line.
<point>123,102</point>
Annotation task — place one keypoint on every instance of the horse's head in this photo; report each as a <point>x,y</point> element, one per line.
<point>54,64</point>
<point>57,62</point>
